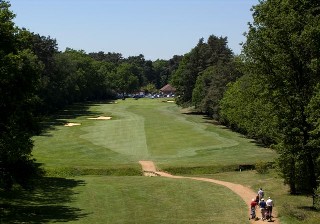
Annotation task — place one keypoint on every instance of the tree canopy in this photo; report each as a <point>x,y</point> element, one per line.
<point>194,63</point>
<point>19,75</point>
<point>282,48</point>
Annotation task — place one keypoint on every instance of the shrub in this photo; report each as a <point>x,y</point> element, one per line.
<point>262,167</point>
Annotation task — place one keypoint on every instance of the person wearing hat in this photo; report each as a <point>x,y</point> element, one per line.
<point>263,205</point>
<point>253,206</point>
<point>269,204</point>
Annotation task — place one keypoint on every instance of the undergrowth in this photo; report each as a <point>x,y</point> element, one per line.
<point>73,171</point>
<point>200,169</point>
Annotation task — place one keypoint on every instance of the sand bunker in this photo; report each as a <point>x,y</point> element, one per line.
<point>100,118</point>
<point>170,101</point>
<point>71,124</point>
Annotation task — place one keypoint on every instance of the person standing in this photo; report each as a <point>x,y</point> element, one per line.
<point>253,206</point>
<point>263,205</point>
<point>269,204</point>
<point>260,193</point>
<point>257,199</point>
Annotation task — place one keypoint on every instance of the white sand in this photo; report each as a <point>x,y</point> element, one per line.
<point>71,124</point>
<point>100,118</point>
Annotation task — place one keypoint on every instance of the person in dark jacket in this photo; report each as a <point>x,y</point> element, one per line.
<point>263,206</point>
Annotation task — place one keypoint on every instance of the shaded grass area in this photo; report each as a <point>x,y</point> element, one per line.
<point>46,203</point>
<point>292,209</point>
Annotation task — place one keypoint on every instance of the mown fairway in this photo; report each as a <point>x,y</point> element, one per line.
<point>94,175</point>
<point>142,129</point>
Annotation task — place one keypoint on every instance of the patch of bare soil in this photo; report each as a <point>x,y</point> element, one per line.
<point>245,193</point>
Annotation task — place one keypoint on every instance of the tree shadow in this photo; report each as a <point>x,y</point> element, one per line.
<point>307,208</point>
<point>46,203</point>
<point>71,112</point>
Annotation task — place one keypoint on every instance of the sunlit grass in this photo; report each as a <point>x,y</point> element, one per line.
<point>156,200</point>
<point>143,129</point>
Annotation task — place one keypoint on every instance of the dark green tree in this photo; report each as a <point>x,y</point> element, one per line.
<point>201,57</point>
<point>246,109</point>
<point>114,58</point>
<point>164,69</point>
<point>124,80</point>
<point>283,47</point>
<point>19,75</point>
<point>211,85</point>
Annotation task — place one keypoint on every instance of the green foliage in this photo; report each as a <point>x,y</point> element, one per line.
<point>19,76</point>
<point>262,167</point>
<point>124,79</point>
<point>316,199</point>
<point>72,171</point>
<point>185,170</point>
<point>245,108</point>
<point>283,47</point>
<point>204,55</point>
<point>150,88</point>
<point>211,85</point>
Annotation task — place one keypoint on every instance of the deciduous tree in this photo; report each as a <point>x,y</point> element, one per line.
<point>283,47</point>
<point>19,75</point>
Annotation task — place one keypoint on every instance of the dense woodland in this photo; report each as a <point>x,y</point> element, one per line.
<point>271,92</point>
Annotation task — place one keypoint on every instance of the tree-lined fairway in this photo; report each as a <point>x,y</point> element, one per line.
<point>142,129</point>
<point>153,129</point>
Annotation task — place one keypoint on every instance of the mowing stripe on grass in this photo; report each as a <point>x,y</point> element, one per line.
<point>125,135</point>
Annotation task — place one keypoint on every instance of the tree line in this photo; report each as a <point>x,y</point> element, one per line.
<point>36,80</point>
<point>270,92</point>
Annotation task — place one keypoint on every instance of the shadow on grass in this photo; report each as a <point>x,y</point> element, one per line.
<point>307,208</point>
<point>46,203</point>
<point>69,113</point>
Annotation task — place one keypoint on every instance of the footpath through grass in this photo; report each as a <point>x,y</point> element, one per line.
<point>293,209</point>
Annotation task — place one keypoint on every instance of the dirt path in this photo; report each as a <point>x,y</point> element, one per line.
<point>245,193</point>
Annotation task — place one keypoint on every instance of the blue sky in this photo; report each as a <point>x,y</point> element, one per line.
<point>154,28</point>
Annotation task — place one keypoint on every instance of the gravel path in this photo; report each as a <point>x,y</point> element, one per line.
<point>245,193</point>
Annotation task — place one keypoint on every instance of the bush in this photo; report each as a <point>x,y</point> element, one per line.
<point>316,199</point>
<point>262,167</point>
<point>72,171</point>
